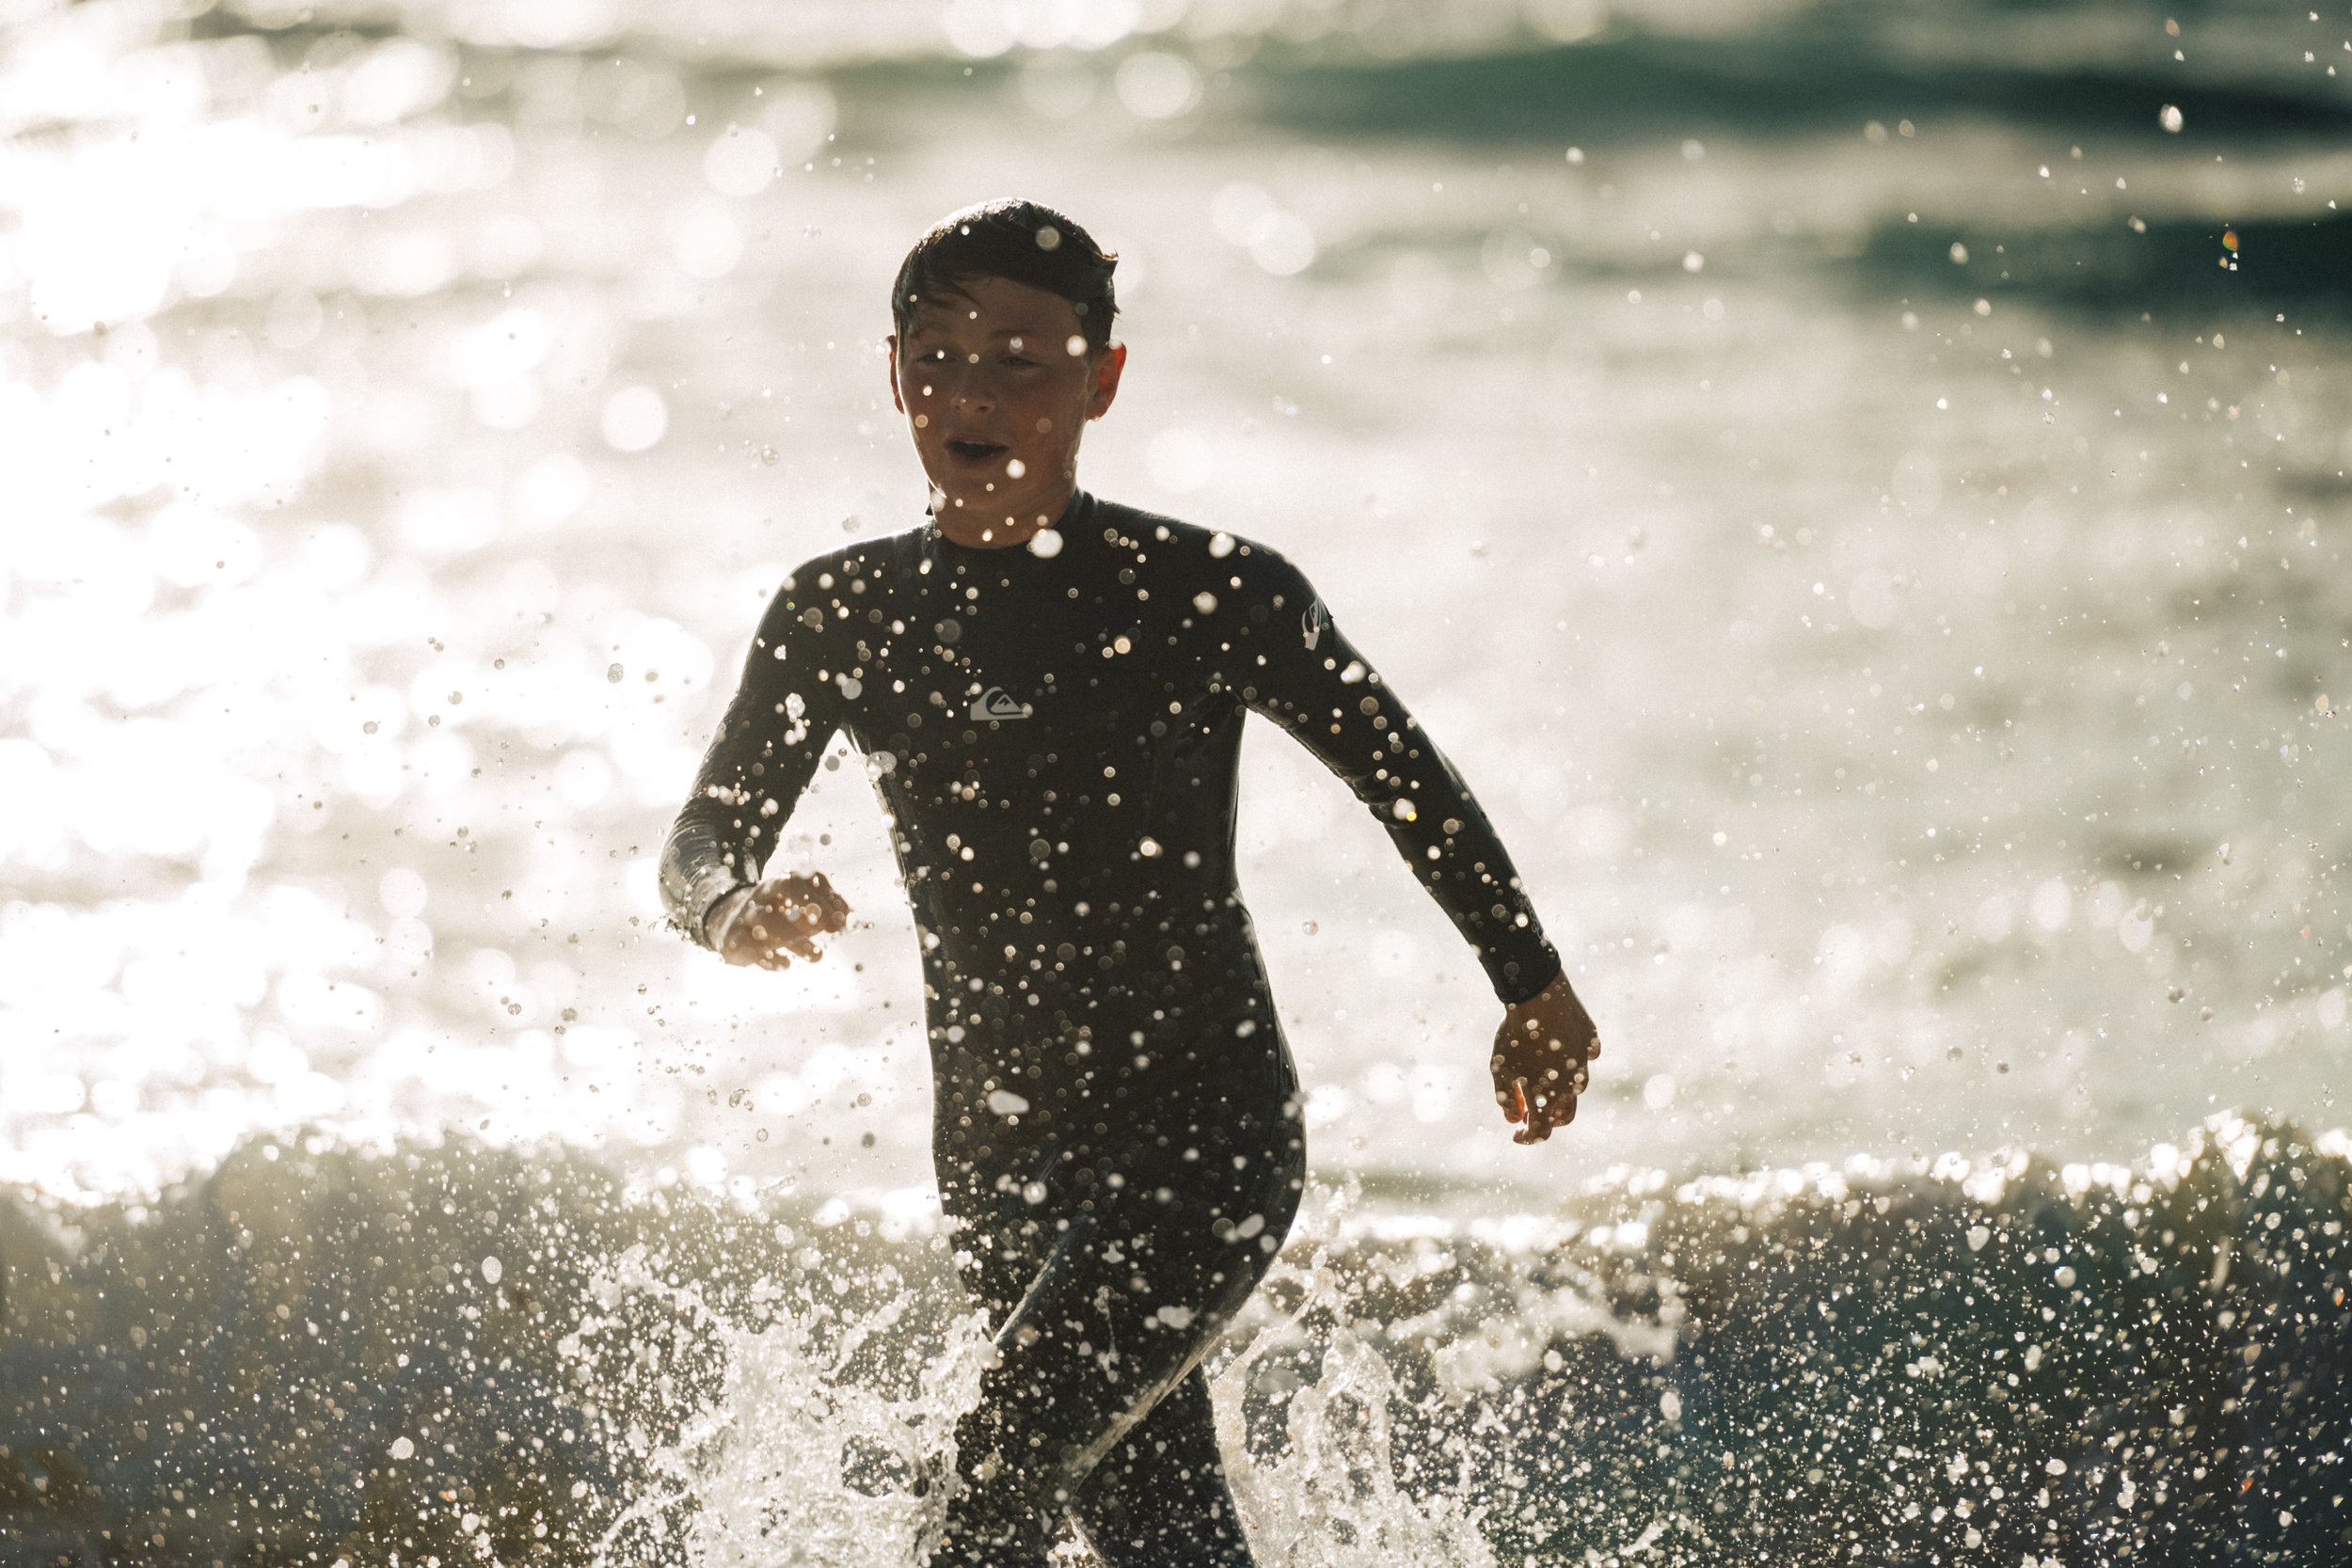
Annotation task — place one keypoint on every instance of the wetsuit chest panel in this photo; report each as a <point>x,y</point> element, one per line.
<point>1020,731</point>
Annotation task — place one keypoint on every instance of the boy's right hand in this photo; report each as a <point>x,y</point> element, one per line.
<point>769,923</point>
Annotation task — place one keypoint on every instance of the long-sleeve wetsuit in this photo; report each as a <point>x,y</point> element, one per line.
<point>1055,732</point>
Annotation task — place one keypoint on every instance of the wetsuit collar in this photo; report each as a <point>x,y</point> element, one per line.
<point>1071,525</point>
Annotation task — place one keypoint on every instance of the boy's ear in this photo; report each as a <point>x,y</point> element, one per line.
<point>890,346</point>
<point>1107,368</point>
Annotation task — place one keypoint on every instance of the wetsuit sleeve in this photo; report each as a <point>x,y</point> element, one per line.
<point>775,733</point>
<point>1303,672</point>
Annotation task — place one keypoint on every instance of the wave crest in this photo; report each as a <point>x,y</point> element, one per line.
<point>448,1349</point>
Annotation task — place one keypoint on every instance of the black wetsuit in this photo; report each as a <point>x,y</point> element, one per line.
<point>1055,737</point>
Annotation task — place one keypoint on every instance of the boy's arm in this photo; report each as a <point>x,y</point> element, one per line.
<point>1301,671</point>
<point>767,746</point>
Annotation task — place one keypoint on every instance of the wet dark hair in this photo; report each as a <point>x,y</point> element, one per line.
<point>1020,240</point>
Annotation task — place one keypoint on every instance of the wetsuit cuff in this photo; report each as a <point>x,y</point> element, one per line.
<point>708,893</point>
<point>1516,981</point>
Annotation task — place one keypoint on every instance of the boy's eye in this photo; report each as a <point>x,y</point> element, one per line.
<point>1019,359</point>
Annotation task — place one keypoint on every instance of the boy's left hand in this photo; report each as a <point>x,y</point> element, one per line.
<point>1540,1060</point>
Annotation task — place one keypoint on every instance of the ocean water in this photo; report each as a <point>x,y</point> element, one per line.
<point>324,1352</point>
<point>1860,491</point>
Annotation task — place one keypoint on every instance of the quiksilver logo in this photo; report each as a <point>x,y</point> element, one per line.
<point>1311,624</point>
<point>996,703</point>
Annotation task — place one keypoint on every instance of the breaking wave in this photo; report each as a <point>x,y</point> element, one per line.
<point>444,1349</point>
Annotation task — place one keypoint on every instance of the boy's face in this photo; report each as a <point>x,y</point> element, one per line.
<point>997,384</point>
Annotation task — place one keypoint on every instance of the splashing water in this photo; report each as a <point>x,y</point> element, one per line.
<point>490,1355</point>
<point>1326,1494</point>
<point>831,1439</point>
<point>814,1453</point>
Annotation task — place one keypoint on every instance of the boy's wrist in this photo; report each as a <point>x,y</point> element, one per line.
<point>1524,982</point>
<point>722,913</point>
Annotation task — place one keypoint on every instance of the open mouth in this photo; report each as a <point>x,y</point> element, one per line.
<point>977,451</point>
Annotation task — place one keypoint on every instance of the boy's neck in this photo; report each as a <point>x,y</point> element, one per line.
<point>961,525</point>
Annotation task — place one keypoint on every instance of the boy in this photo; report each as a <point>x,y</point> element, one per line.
<point>1049,690</point>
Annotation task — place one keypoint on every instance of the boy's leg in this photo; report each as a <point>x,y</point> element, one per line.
<point>1134,1288</point>
<point>1080,1362</point>
<point>993,1522</point>
<point>1160,1499</point>
<point>1123,1306</point>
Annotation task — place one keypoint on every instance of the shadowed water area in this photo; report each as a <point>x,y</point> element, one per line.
<point>1859,492</point>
